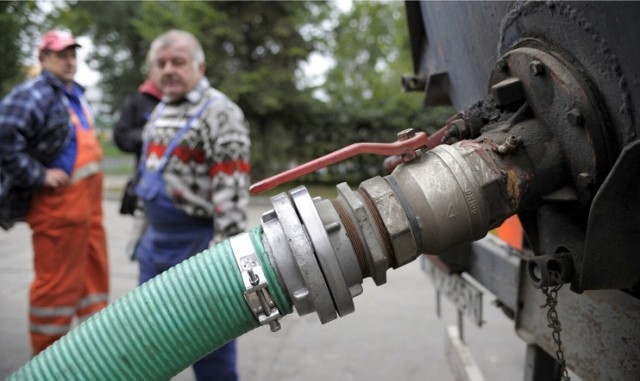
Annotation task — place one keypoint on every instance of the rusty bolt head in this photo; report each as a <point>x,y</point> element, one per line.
<point>510,144</point>
<point>460,129</point>
<point>575,117</point>
<point>456,130</point>
<point>536,67</point>
<point>406,134</point>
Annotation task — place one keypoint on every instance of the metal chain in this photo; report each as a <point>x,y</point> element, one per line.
<point>551,294</point>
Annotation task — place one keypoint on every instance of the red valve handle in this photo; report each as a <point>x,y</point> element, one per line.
<point>399,147</point>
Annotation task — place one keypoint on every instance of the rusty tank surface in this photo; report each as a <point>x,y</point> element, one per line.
<point>551,90</point>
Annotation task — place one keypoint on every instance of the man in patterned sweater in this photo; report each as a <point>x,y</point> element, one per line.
<point>194,172</point>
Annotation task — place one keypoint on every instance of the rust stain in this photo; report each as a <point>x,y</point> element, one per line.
<point>513,185</point>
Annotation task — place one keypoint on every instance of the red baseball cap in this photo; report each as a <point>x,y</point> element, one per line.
<point>57,41</point>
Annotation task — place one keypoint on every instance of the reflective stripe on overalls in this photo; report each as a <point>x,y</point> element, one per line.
<point>173,236</point>
<point>69,243</point>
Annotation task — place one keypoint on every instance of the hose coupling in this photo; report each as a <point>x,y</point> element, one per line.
<point>256,292</point>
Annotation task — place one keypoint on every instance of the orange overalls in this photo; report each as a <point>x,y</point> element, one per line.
<point>69,244</point>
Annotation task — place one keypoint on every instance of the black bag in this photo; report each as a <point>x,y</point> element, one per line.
<point>129,203</point>
<point>14,202</point>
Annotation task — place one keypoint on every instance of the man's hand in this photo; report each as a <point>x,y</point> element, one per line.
<point>55,178</point>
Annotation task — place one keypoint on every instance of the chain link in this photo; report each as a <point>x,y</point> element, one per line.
<point>551,293</point>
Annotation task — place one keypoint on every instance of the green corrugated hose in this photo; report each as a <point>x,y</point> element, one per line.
<point>161,327</point>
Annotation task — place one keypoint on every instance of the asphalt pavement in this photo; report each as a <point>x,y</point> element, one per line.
<point>394,333</point>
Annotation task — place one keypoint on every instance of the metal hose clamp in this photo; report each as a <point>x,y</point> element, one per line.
<point>256,293</point>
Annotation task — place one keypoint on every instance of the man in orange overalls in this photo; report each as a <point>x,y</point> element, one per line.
<point>49,152</point>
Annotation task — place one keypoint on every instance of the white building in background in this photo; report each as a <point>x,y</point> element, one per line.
<point>94,95</point>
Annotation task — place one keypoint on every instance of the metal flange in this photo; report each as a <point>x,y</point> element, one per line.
<point>342,246</point>
<point>324,251</point>
<point>286,267</point>
<point>377,259</point>
<point>315,288</point>
<point>562,98</point>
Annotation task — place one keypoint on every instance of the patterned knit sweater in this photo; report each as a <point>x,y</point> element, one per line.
<point>207,174</point>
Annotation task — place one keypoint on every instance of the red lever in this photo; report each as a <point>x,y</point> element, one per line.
<point>434,140</point>
<point>399,147</point>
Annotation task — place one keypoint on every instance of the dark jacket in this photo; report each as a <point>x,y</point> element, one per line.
<point>34,128</point>
<point>133,116</point>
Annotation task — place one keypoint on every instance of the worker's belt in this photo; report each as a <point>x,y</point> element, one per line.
<point>86,171</point>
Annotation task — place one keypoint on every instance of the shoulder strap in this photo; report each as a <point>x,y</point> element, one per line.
<point>145,142</point>
<point>176,138</point>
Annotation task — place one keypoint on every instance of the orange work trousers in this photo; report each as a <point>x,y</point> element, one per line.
<point>70,259</point>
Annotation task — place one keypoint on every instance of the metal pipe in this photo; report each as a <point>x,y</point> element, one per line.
<point>321,250</point>
<point>314,253</point>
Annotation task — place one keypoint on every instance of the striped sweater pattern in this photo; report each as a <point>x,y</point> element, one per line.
<point>208,174</point>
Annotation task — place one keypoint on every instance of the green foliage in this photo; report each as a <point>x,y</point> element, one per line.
<point>370,46</point>
<point>110,150</point>
<point>120,50</point>
<point>254,50</point>
<point>18,34</point>
<point>372,52</point>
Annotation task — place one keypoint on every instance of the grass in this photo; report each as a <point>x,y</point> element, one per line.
<point>124,169</point>
<point>111,150</point>
<point>116,162</point>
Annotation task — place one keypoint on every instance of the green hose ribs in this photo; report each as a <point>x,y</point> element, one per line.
<point>163,326</point>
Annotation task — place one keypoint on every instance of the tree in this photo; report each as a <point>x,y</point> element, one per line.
<point>253,51</point>
<point>17,22</point>
<point>371,53</point>
<point>370,47</point>
<point>119,47</point>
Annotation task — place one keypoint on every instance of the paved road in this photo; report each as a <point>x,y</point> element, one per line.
<point>393,335</point>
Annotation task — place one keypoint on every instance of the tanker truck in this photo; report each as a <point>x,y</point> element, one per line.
<point>545,139</point>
